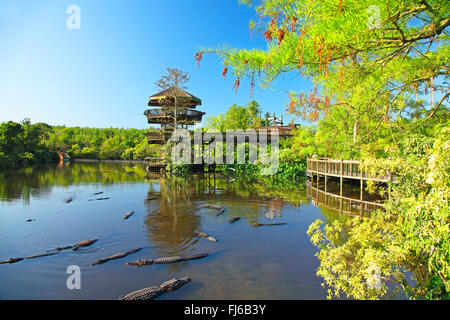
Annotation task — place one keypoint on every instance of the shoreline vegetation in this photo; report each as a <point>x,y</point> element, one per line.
<point>24,144</point>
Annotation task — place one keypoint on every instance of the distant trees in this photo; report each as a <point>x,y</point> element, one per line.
<point>238,118</point>
<point>25,143</point>
<point>107,143</point>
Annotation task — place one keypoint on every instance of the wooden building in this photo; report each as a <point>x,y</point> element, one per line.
<point>171,107</point>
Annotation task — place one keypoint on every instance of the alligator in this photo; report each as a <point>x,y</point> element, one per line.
<point>14,260</point>
<point>29,220</point>
<point>210,206</point>
<point>234,219</point>
<point>84,243</point>
<point>42,255</point>
<point>269,198</point>
<point>155,291</point>
<point>97,193</point>
<point>150,199</point>
<point>115,256</point>
<point>256,225</point>
<point>68,200</point>
<point>129,214</point>
<point>204,235</point>
<point>61,248</point>
<point>165,260</point>
<point>98,199</point>
<point>11,260</point>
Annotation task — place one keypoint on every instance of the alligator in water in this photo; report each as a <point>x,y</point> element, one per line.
<point>234,219</point>
<point>210,206</point>
<point>42,255</point>
<point>61,248</point>
<point>29,220</point>
<point>97,193</point>
<point>165,260</point>
<point>204,235</point>
<point>68,200</point>
<point>256,225</point>
<point>150,199</point>
<point>129,214</point>
<point>99,199</point>
<point>115,256</point>
<point>84,243</point>
<point>155,291</point>
<point>11,260</point>
<point>14,260</point>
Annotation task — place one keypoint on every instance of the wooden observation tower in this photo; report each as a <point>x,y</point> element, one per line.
<point>172,108</point>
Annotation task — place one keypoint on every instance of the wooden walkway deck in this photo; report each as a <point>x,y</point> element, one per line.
<point>347,169</point>
<point>343,169</point>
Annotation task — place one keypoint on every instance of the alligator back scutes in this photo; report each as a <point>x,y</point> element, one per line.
<point>151,293</point>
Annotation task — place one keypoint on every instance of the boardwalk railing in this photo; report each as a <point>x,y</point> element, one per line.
<point>348,169</point>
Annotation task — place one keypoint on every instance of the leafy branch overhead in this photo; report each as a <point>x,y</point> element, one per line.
<point>382,47</point>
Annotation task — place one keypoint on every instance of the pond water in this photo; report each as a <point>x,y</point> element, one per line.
<point>270,262</point>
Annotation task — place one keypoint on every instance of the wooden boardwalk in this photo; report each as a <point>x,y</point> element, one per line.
<point>347,169</point>
<point>342,169</point>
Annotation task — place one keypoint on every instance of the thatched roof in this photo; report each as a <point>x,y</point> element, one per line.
<point>166,98</point>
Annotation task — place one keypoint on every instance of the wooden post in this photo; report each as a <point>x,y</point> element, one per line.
<point>341,173</point>
<point>340,185</point>
<point>389,182</point>
<point>362,186</point>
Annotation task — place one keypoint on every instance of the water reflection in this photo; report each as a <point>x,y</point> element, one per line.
<point>351,201</point>
<point>25,183</point>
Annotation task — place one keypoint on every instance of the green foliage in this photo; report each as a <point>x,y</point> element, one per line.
<point>287,171</point>
<point>24,144</point>
<point>108,143</point>
<point>372,63</point>
<point>237,118</point>
<point>411,236</point>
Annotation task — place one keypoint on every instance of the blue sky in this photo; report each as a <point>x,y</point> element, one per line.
<point>102,74</point>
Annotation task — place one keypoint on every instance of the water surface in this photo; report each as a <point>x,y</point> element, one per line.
<point>275,262</point>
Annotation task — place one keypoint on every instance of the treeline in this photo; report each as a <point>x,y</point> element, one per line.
<point>24,143</point>
<point>107,143</point>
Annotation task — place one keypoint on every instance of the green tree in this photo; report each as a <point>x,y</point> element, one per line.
<point>255,110</point>
<point>238,118</point>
